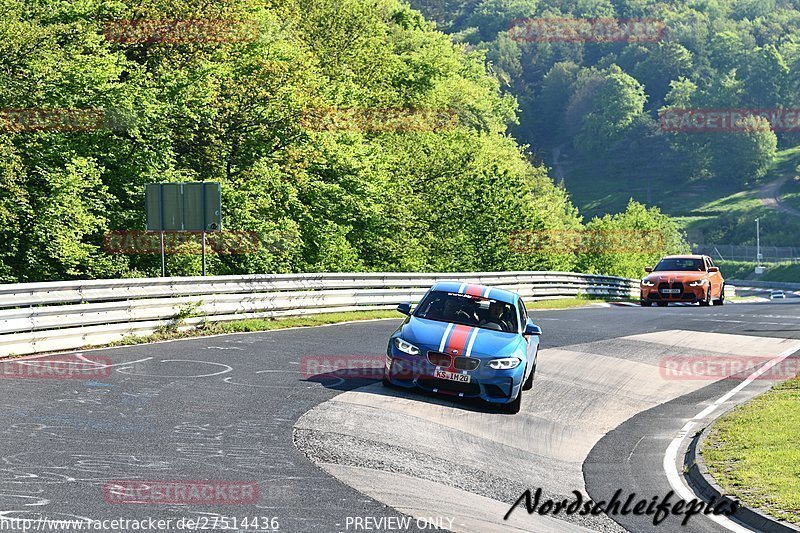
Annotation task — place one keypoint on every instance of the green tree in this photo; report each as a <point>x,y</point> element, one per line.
<point>495,16</point>
<point>766,75</point>
<point>617,102</point>
<point>745,156</point>
<point>625,243</point>
<point>668,61</point>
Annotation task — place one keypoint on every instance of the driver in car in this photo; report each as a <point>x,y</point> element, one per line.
<point>494,320</point>
<point>459,311</point>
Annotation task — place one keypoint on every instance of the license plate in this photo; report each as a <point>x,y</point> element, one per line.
<point>452,376</point>
<point>670,291</point>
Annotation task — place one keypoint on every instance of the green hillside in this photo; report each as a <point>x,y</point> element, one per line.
<point>590,109</point>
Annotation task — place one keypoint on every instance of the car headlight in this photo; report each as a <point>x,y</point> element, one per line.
<point>405,347</point>
<point>698,283</point>
<point>504,364</point>
<point>648,283</point>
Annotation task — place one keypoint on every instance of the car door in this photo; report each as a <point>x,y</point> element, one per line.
<point>532,341</point>
<point>709,276</point>
<point>714,278</point>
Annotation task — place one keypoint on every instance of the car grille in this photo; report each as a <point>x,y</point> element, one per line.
<point>439,359</point>
<point>459,363</point>
<point>677,285</point>
<point>466,363</point>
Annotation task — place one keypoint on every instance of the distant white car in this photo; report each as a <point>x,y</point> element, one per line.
<point>777,295</point>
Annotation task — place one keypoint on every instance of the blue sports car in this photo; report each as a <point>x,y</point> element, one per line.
<point>466,340</point>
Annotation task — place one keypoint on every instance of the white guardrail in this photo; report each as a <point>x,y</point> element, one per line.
<point>51,316</point>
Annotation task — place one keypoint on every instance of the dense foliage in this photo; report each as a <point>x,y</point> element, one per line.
<point>231,112</point>
<point>603,98</point>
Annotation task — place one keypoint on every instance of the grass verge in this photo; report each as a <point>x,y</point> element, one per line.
<point>172,331</point>
<point>736,269</point>
<point>743,299</point>
<point>563,303</point>
<point>753,452</point>
<point>775,272</point>
<point>787,273</point>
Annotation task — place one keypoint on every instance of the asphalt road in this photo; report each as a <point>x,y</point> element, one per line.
<point>331,453</point>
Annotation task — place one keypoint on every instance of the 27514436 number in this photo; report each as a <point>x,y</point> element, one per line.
<point>234,523</point>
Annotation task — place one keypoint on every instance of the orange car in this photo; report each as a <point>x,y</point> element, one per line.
<point>683,278</point>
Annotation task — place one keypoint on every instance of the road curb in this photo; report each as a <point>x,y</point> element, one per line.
<point>705,486</point>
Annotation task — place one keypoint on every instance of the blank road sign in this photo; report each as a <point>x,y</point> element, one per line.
<point>195,206</point>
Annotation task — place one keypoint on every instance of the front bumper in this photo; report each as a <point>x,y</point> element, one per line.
<point>494,386</point>
<point>686,294</point>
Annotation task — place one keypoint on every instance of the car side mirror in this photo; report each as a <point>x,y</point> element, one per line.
<point>713,269</point>
<point>532,329</point>
<point>404,308</point>
<point>648,269</point>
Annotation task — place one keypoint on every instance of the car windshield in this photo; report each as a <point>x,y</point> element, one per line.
<point>486,313</point>
<point>680,264</point>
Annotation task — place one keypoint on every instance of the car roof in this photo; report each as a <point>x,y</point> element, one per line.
<point>684,256</point>
<point>476,289</point>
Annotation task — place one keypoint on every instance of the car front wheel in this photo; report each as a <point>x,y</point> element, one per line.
<point>707,300</point>
<point>721,300</point>
<point>513,406</point>
<point>385,380</point>
<point>529,382</point>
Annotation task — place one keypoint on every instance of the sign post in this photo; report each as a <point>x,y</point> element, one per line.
<point>179,207</point>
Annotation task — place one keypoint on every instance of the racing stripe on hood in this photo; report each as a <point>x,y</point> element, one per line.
<point>457,344</point>
<point>458,340</point>
<point>471,342</point>
<point>446,335</point>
